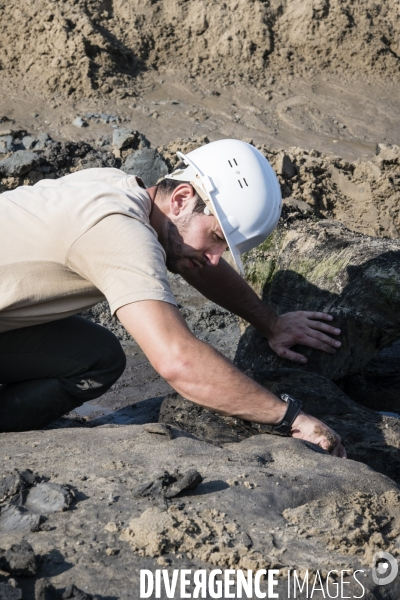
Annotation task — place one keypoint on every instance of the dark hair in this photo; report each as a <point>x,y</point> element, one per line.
<point>167,186</point>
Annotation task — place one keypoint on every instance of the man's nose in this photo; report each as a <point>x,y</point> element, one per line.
<point>213,256</point>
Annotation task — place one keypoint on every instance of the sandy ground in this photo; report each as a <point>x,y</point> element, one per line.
<point>346,117</point>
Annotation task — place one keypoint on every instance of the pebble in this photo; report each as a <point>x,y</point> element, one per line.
<point>79,122</point>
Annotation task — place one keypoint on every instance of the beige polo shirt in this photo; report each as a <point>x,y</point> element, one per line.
<point>68,243</point>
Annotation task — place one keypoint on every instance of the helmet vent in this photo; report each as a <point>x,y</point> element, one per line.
<point>245,183</point>
<point>231,165</point>
<point>240,183</point>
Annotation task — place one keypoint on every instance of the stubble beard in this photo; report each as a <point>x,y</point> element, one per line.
<point>174,245</point>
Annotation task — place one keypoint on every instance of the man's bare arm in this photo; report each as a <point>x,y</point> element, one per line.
<point>203,375</point>
<point>225,287</point>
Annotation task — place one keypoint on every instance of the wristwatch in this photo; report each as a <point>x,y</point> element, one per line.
<point>293,408</point>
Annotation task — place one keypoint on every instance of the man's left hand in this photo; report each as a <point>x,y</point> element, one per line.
<point>305,328</point>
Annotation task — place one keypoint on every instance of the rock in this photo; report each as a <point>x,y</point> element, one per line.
<point>128,139</point>
<point>186,482</point>
<point>12,483</point>
<point>27,500</point>
<point>66,157</point>
<point>29,142</point>
<point>168,486</point>
<point>19,560</point>
<point>147,164</point>
<point>47,498</point>
<point>102,118</point>
<point>43,140</point>
<point>322,266</point>
<point>40,142</point>
<point>158,429</point>
<point>19,163</point>
<point>220,524</point>
<point>284,166</point>
<point>79,122</point>
<point>9,592</point>
<point>15,518</point>
<point>360,428</point>
<point>6,144</point>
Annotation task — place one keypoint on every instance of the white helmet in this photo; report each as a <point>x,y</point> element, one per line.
<point>240,189</point>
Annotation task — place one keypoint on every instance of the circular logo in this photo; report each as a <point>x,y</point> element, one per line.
<point>384,568</point>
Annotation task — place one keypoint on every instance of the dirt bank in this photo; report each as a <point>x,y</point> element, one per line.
<point>89,47</point>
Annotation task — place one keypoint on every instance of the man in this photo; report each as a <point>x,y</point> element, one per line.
<point>67,243</point>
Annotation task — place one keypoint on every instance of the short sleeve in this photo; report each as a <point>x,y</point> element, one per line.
<point>122,258</point>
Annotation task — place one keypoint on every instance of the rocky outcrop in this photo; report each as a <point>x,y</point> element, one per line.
<point>322,266</point>
<point>254,509</point>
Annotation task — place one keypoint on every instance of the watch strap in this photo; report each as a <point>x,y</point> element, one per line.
<point>293,408</point>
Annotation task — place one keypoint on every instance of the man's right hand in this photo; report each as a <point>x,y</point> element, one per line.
<point>313,430</point>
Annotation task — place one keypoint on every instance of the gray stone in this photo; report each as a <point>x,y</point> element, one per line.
<point>29,142</point>
<point>124,139</point>
<point>36,143</point>
<point>19,560</point>
<point>19,163</point>
<point>47,498</point>
<point>148,164</point>
<point>79,122</point>
<point>16,518</point>
<point>187,482</point>
<point>158,429</point>
<point>9,592</point>
<point>102,118</point>
<point>6,144</point>
<point>10,485</point>
<point>43,141</point>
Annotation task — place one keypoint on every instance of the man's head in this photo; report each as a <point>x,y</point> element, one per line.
<point>190,237</point>
<point>243,201</point>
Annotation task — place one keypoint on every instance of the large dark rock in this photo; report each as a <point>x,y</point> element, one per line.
<point>322,266</point>
<point>65,157</point>
<point>148,164</point>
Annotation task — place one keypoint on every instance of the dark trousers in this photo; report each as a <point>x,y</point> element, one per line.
<point>48,370</point>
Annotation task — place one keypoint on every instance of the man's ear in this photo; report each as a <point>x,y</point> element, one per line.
<point>181,198</point>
